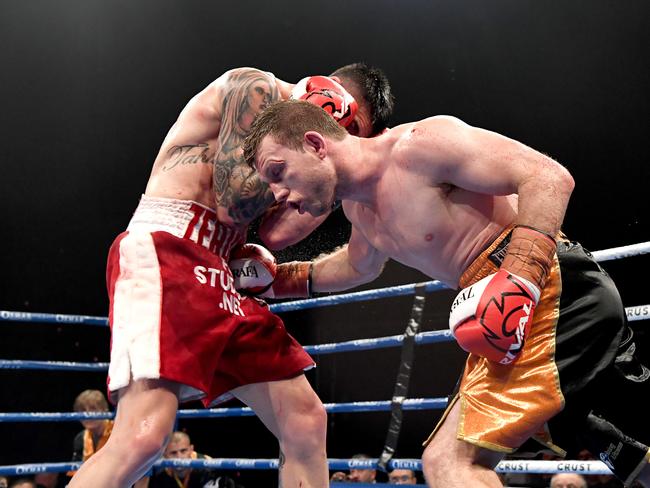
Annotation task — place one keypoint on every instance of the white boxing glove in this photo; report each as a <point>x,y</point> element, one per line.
<point>253,268</point>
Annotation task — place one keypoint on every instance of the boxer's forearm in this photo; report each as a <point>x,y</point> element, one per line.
<point>338,272</point>
<point>543,199</point>
<point>482,161</point>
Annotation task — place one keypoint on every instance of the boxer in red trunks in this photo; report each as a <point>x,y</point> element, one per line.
<point>180,330</point>
<point>543,323</point>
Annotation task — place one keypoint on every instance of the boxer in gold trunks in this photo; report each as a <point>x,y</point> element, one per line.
<point>541,320</point>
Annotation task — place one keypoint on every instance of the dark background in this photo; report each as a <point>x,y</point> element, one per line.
<point>89,89</point>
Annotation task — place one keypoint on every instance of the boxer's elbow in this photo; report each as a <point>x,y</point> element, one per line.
<point>564,181</point>
<point>281,227</point>
<point>548,174</point>
<point>569,182</point>
<point>277,238</point>
<point>276,242</point>
<point>376,271</point>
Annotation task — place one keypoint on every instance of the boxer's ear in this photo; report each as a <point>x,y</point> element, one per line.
<point>316,143</point>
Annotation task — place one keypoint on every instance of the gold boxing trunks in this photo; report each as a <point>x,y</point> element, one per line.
<point>504,405</point>
<point>570,388</point>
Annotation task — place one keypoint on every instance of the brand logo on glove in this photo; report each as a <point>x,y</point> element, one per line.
<point>513,316</point>
<point>246,272</point>
<point>464,295</point>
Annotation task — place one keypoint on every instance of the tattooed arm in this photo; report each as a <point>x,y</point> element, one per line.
<point>240,195</point>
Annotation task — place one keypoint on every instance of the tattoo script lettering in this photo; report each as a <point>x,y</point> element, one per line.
<point>189,154</point>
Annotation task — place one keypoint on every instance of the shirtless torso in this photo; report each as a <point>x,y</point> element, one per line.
<point>445,191</point>
<point>430,194</point>
<point>441,228</point>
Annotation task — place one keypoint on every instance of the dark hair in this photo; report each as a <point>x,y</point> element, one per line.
<point>287,121</point>
<point>375,89</point>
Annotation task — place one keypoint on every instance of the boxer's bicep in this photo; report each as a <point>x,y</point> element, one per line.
<point>486,162</point>
<point>479,160</point>
<point>351,265</point>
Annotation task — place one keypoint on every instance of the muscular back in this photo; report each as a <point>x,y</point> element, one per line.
<point>201,159</point>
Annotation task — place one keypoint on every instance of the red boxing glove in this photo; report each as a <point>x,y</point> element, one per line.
<point>328,94</point>
<point>293,280</point>
<point>492,317</point>
<point>253,268</point>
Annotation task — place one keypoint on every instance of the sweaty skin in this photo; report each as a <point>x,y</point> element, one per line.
<point>430,194</point>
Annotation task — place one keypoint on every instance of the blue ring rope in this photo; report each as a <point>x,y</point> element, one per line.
<point>430,337</point>
<point>51,365</point>
<point>359,296</point>
<point>512,466</point>
<point>639,312</point>
<point>401,290</point>
<point>350,407</point>
<point>51,318</point>
<point>636,312</point>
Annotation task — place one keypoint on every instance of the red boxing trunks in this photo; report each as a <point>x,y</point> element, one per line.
<point>174,312</point>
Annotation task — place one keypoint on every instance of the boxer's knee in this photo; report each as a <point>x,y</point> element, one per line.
<point>444,458</point>
<point>444,453</point>
<point>435,459</point>
<point>139,447</point>
<point>304,431</point>
<point>145,418</point>
<point>148,445</point>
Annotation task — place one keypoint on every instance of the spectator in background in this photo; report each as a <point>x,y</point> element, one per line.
<point>402,477</point>
<point>545,478</point>
<point>362,475</point>
<point>23,483</point>
<point>48,480</point>
<point>338,476</point>
<point>96,432</point>
<point>568,480</point>
<point>4,482</point>
<point>180,447</point>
